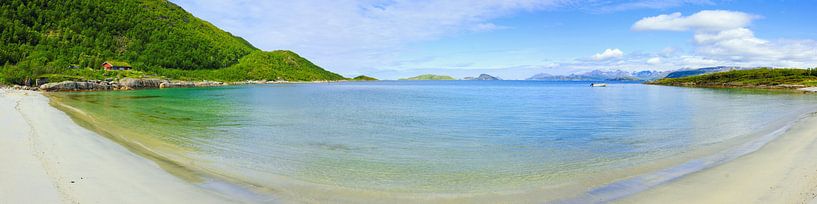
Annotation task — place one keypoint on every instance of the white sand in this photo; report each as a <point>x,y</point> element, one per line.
<point>783,171</point>
<point>46,158</point>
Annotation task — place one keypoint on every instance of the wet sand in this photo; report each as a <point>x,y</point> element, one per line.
<point>782,171</point>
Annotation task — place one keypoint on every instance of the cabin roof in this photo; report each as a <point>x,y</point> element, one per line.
<point>118,63</point>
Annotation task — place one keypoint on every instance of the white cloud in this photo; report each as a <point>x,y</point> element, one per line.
<point>732,43</point>
<point>608,54</point>
<point>486,27</point>
<point>707,20</point>
<point>654,60</point>
<point>347,35</point>
<point>723,38</point>
<point>647,4</point>
<point>357,36</point>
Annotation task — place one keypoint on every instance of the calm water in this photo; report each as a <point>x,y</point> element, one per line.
<point>448,139</point>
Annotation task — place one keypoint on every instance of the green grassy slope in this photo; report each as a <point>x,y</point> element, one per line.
<point>44,37</point>
<point>275,65</point>
<point>747,78</point>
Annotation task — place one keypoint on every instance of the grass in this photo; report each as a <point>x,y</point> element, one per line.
<point>763,77</point>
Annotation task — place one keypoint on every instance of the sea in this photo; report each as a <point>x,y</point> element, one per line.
<point>437,141</point>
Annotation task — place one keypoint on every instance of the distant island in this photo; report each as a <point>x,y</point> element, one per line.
<point>748,78</point>
<point>429,77</point>
<point>483,77</point>
<point>364,78</point>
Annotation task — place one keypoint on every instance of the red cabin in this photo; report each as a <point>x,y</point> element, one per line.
<point>116,66</point>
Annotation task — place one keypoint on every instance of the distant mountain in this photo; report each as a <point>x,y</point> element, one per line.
<point>599,75</point>
<point>482,77</point>
<point>650,75</point>
<point>429,77</point>
<point>700,71</point>
<point>364,78</point>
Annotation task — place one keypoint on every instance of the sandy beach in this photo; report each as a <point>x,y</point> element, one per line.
<point>783,171</point>
<point>47,158</point>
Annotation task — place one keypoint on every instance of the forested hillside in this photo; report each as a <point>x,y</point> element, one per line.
<point>46,37</point>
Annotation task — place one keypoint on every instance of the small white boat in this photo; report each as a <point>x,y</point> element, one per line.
<point>598,85</point>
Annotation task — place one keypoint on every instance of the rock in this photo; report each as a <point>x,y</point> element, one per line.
<point>209,83</point>
<point>180,84</point>
<point>124,84</point>
<point>791,86</point>
<point>75,86</point>
<point>131,83</point>
<point>41,81</point>
<point>808,89</point>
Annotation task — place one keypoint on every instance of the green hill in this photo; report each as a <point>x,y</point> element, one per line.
<point>429,77</point>
<point>364,78</point>
<point>44,38</point>
<point>764,77</point>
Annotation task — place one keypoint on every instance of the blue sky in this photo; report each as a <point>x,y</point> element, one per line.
<point>515,39</point>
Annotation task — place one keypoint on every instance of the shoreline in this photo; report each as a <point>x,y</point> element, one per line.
<point>146,83</point>
<point>33,105</point>
<point>780,171</point>
<point>782,87</point>
<point>635,186</point>
<point>55,160</point>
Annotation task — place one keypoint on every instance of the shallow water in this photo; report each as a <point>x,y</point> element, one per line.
<point>432,138</point>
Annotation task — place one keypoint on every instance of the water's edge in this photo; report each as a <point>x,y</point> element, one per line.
<point>640,183</point>
<point>211,181</point>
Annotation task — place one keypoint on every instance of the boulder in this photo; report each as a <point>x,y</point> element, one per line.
<point>75,86</point>
<point>131,83</point>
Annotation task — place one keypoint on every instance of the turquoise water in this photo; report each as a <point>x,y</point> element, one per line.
<point>448,139</point>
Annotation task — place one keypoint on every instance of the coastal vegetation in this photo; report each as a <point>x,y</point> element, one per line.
<point>763,77</point>
<point>69,39</point>
<point>429,77</point>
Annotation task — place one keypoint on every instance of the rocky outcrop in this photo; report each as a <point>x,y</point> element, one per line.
<point>146,83</point>
<point>28,88</point>
<point>176,84</point>
<point>181,84</point>
<point>124,84</point>
<point>809,89</point>
<point>79,86</point>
